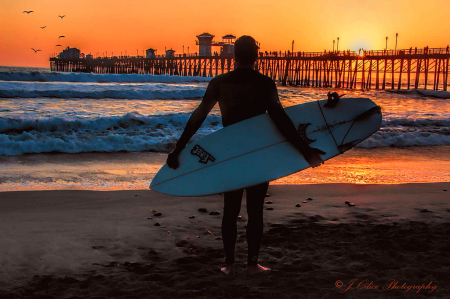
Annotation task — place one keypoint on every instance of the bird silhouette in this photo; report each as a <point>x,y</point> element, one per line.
<point>43,27</point>
<point>28,12</point>
<point>35,51</point>
<point>61,36</point>
<point>58,46</point>
<point>62,16</point>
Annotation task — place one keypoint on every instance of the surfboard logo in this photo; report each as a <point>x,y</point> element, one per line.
<point>202,154</point>
<point>301,130</point>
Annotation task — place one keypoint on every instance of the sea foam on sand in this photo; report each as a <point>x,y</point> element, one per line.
<point>88,243</point>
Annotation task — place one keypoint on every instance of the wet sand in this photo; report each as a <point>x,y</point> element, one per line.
<point>107,244</point>
<point>134,170</point>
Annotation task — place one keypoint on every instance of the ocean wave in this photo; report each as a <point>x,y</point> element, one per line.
<point>96,78</point>
<point>178,120</point>
<point>131,91</point>
<point>128,121</point>
<point>442,94</point>
<point>406,139</point>
<point>405,132</point>
<point>136,132</point>
<point>104,94</point>
<point>131,132</point>
<point>435,93</point>
<point>420,122</point>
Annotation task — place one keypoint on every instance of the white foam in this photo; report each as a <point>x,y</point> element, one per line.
<point>100,91</point>
<point>405,139</point>
<point>418,122</point>
<point>136,132</point>
<point>98,78</point>
<point>131,132</point>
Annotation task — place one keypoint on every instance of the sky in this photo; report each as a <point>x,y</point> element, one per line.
<point>112,26</point>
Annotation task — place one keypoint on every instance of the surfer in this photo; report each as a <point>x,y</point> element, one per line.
<point>242,94</point>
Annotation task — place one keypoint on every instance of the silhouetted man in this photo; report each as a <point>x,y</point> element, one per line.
<point>242,94</point>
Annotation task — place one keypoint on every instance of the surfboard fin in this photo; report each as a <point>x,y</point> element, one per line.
<point>371,111</point>
<point>345,147</point>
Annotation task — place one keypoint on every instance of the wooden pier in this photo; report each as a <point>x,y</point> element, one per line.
<point>381,69</point>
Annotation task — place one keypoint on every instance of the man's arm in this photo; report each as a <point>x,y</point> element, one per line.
<point>195,121</point>
<point>287,128</point>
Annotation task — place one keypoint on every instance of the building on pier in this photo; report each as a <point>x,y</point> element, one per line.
<point>70,53</point>
<point>170,53</point>
<point>204,44</point>
<point>227,44</point>
<point>150,53</point>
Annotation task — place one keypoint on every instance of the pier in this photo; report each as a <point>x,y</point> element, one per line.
<point>426,68</point>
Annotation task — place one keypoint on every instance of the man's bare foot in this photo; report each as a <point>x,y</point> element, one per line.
<point>252,270</point>
<point>228,270</point>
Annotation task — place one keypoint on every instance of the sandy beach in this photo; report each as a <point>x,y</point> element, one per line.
<point>108,244</point>
<point>97,100</point>
<point>77,219</point>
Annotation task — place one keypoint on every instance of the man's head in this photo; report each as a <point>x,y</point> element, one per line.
<point>245,50</point>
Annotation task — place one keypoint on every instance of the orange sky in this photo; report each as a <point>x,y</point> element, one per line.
<point>114,26</point>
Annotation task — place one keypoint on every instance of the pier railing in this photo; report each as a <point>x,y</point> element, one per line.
<point>365,69</point>
<point>410,51</point>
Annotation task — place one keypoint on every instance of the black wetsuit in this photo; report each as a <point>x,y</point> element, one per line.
<point>242,94</point>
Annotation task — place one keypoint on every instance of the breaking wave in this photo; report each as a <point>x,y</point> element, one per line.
<point>136,132</point>
<point>95,78</point>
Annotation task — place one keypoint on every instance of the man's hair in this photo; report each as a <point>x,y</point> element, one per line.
<point>246,50</point>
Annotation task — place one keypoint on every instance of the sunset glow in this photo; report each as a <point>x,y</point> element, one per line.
<point>130,27</point>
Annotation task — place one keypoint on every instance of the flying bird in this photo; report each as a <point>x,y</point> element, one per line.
<point>62,16</point>
<point>28,12</point>
<point>61,36</point>
<point>58,46</point>
<point>35,51</point>
<point>43,27</point>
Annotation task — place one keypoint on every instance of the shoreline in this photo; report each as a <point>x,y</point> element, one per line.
<point>272,184</point>
<point>134,170</point>
<point>89,243</point>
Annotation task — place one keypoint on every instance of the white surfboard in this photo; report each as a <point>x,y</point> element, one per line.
<point>254,151</point>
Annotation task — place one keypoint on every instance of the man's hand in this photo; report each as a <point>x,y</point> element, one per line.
<point>172,159</point>
<point>313,156</point>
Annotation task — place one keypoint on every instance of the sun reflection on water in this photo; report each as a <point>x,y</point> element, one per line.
<point>126,171</point>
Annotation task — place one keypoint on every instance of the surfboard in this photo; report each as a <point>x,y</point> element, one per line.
<point>254,151</point>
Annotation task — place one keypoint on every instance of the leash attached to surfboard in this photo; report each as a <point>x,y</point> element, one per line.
<point>333,99</point>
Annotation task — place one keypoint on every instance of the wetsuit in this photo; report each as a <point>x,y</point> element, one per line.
<point>242,94</point>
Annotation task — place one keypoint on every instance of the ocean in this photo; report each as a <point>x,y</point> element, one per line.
<point>113,131</point>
